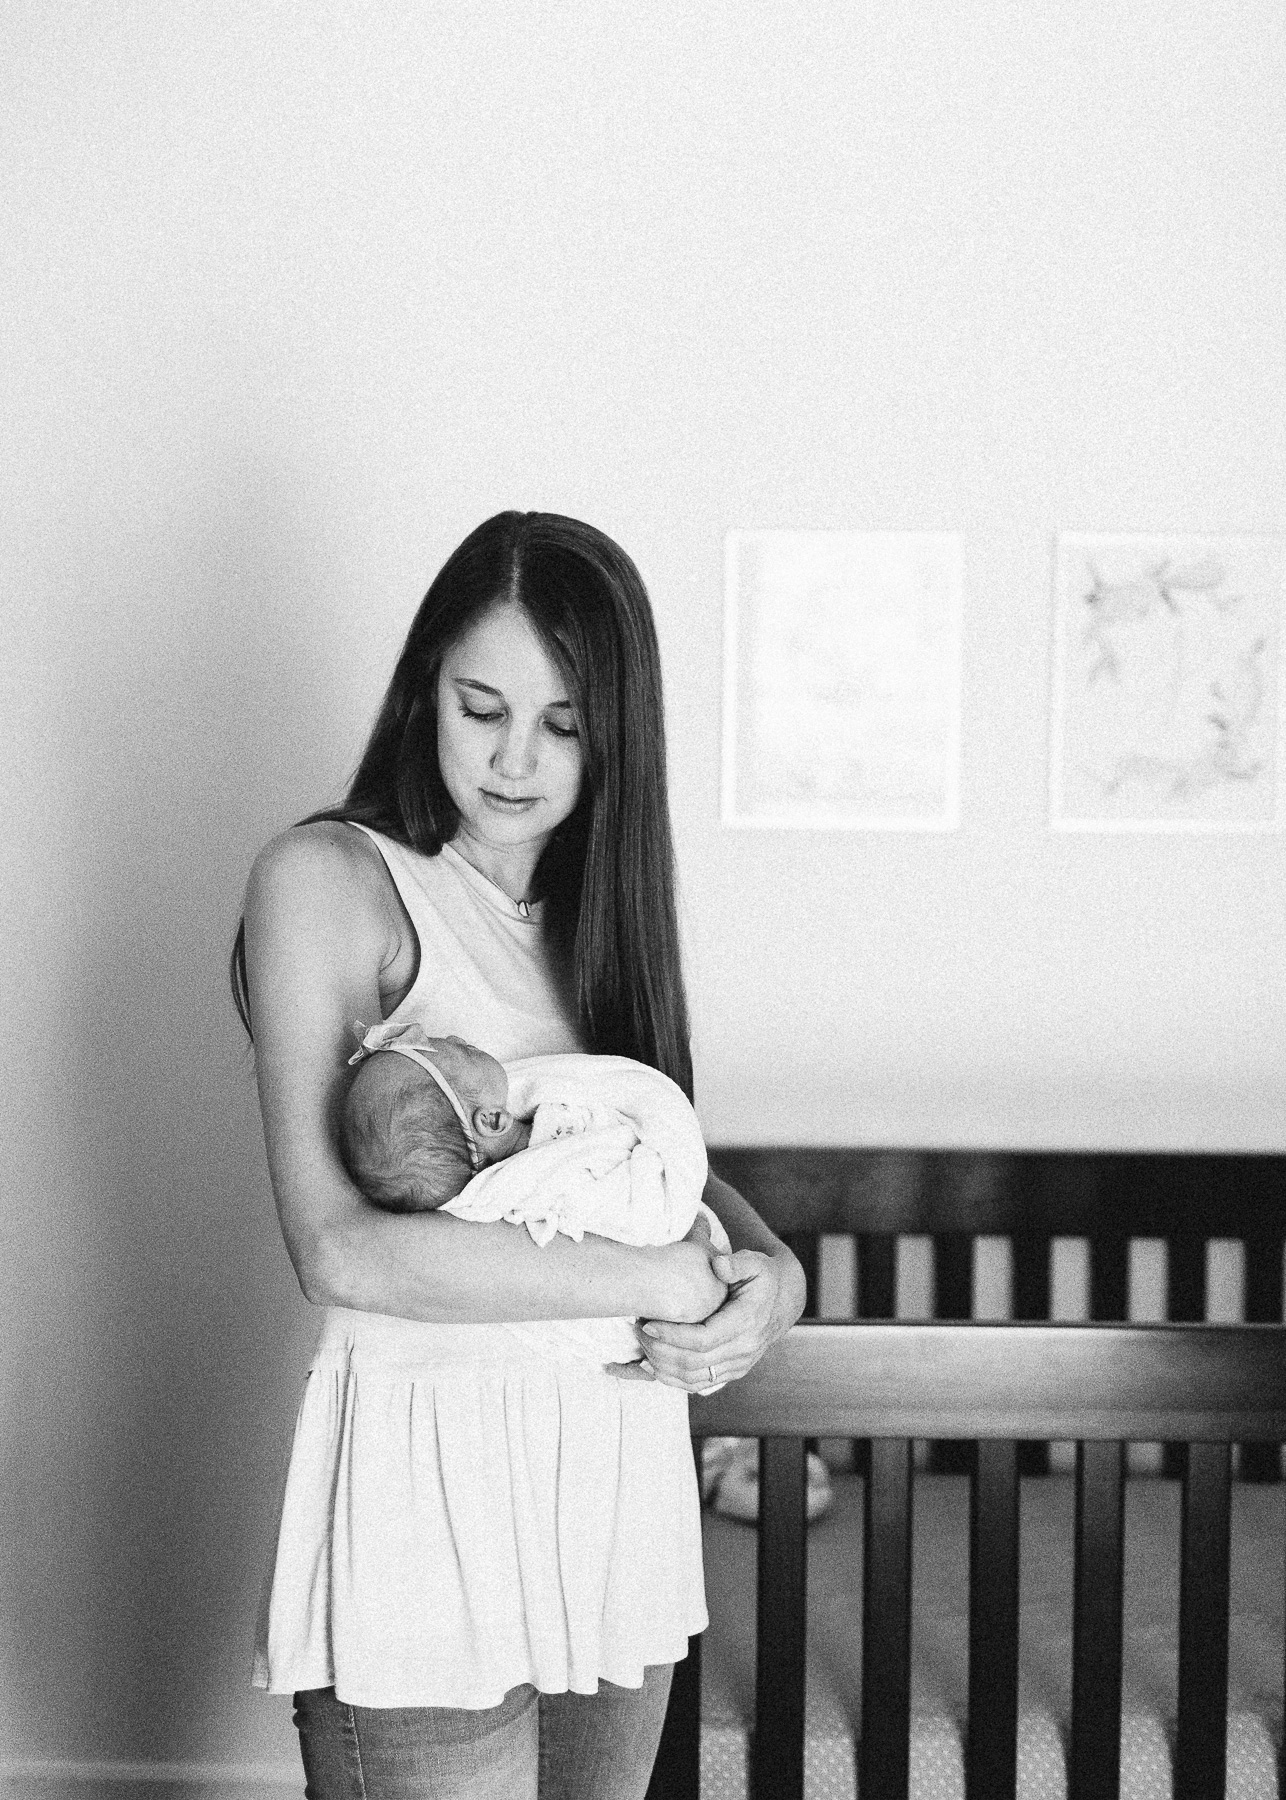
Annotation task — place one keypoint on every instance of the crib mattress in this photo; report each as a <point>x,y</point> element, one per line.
<point>940,1629</point>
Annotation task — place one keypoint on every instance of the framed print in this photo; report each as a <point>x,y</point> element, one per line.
<point>1167,701</point>
<point>842,680</point>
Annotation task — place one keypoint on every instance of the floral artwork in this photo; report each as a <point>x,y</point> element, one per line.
<point>1167,707</point>
<point>842,680</point>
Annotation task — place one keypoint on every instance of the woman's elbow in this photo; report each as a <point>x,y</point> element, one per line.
<point>321,1266</point>
<point>317,1288</point>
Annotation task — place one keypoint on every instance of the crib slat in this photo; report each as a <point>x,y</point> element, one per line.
<point>1094,1763</point>
<point>1264,1278</point>
<point>1185,1303</point>
<point>1031,1277</point>
<point>1201,1739</point>
<point>777,1754</point>
<point>807,1246</point>
<point>1185,1279</point>
<point>952,1299</point>
<point>886,1624</point>
<point>876,1275</point>
<point>1031,1301</point>
<point>952,1275</point>
<point>1109,1277</point>
<point>1262,1462</point>
<point>991,1762</point>
<point>876,1299</point>
<point>676,1773</point>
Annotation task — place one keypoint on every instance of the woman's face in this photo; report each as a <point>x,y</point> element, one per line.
<point>508,747</point>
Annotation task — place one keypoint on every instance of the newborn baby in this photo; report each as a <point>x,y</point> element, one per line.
<point>411,1143</point>
<point>609,1146</point>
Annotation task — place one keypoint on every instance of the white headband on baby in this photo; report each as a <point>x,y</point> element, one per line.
<point>397,1034</point>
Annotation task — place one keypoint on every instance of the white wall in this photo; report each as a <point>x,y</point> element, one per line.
<point>302,293</point>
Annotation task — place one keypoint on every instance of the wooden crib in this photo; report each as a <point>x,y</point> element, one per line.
<point>989,1398</point>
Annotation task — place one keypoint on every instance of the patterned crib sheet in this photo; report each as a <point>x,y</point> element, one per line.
<point>940,1642</point>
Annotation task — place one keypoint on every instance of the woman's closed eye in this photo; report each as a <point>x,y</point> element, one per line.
<point>494,718</point>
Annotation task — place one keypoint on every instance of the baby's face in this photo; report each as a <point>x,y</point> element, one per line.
<point>483,1088</point>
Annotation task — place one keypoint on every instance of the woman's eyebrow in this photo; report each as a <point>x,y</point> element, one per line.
<point>480,687</point>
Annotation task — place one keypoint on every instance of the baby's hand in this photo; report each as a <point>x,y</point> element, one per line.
<point>631,1371</point>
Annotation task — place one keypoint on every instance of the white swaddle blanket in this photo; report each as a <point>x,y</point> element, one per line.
<point>615,1150</point>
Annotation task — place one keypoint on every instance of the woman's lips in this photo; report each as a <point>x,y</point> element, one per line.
<point>503,803</point>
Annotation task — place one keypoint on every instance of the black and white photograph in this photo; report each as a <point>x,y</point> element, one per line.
<point>643,741</point>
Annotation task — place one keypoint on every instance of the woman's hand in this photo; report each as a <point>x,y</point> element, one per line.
<point>690,1285</point>
<point>765,1297</point>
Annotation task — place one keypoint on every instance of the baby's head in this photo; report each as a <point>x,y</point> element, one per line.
<point>421,1117</point>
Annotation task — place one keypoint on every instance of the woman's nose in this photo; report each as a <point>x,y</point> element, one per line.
<point>515,755</point>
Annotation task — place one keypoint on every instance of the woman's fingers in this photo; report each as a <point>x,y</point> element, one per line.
<point>747,1308</point>
<point>724,1348</point>
<point>720,1328</point>
<point>694,1377</point>
<point>737,1265</point>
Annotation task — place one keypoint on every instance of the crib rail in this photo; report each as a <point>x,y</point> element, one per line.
<point>1102,1195</point>
<point>917,1379</point>
<point>1100,1385</point>
<point>1183,1199</point>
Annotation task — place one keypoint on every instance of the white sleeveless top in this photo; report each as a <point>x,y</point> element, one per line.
<point>459,1515</point>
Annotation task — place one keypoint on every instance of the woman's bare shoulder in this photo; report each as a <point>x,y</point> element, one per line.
<point>326,866</point>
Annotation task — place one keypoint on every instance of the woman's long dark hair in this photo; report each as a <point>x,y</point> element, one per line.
<point>607,875</point>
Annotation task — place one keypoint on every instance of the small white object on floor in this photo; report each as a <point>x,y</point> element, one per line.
<point>730,1480</point>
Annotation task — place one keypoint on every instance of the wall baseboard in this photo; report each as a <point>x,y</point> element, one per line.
<point>150,1781</point>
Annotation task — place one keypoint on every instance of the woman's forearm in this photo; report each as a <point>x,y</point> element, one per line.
<point>745,1229</point>
<point>437,1268</point>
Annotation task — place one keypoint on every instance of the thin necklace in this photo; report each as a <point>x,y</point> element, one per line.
<point>524,906</point>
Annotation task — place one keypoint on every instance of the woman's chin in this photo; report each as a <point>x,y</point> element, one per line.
<point>504,829</point>
<point>516,829</point>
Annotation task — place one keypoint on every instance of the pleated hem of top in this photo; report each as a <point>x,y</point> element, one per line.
<point>451,1530</point>
<point>301,1680</point>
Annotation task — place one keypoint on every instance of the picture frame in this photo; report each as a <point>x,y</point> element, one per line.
<point>1166,688</point>
<point>842,678</point>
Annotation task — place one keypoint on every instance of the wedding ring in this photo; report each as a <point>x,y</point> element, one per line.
<point>710,1373</point>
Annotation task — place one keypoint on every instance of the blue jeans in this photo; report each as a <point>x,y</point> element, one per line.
<point>531,1747</point>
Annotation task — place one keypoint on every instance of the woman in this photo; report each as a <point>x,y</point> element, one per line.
<point>486,1569</point>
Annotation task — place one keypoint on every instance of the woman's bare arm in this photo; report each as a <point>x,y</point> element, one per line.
<point>745,1229</point>
<point>319,931</point>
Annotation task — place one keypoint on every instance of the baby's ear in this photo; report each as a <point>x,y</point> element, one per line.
<point>490,1123</point>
